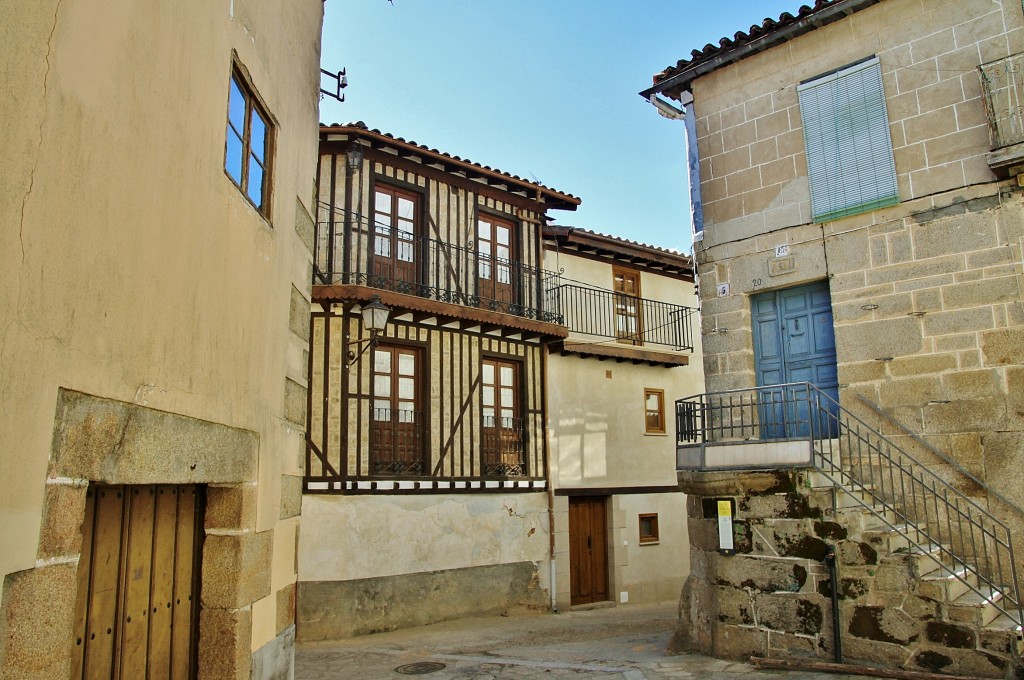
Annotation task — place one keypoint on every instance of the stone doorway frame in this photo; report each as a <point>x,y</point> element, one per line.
<point>102,440</point>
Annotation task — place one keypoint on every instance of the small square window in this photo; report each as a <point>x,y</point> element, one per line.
<point>249,143</point>
<point>649,527</point>
<point>654,411</point>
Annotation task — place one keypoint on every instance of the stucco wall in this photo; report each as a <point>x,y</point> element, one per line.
<point>363,560</point>
<point>131,266</point>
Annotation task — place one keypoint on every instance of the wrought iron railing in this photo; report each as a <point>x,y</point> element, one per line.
<point>1002,84</point>
<point>377,256</point>
<point>397,438</point>
<point>936,519</point>
<point>604,313</point>
<point>503,447</point>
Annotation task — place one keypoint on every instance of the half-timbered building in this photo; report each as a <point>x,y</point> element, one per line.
<point>427,491</point>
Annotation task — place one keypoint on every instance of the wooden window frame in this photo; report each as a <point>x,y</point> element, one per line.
<point>518,387</point>
<point>492,258</point>
<point>654,536</point>
<point>419,399</point>
<point>416,265</point>
<point>662,428</point>
<point>636,340</point>
<point>253,105</point>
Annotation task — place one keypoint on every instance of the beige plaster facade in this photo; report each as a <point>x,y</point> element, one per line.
<point>926,294</point>
<point>149,326</point>
<point>599,444</point>
<point>420,504</point>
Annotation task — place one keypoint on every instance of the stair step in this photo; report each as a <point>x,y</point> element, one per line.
<point>854,498</point>
<point>975,608</point>
<point>946,584</point>
<point>925,559</point>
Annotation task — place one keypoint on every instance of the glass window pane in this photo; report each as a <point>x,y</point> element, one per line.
<point>382,203</point>
<point>406,364</point>
<point>652,402</point>
<point>489,373</point>
<point>484,230</point>
<point>406,388</point>
<point>405,208</point>
<point>255,189</point>
<point>504,275</point>
<point>506,417</point>
<point>382,361</point>
<point>502,235</point>
<point>407,415</point>
<point>381,409</point>
<point>503,253</point>
<point>405,251</point>
<point>405,227</point>
<point>485,270</point>
<point>233,157</point>
<point>382,385</point>
<point>488,395</point>
<point>236,105</point>
<point>382,247</point>
<point>258,137</point>
<point>507,397</point>
<point>506,375</point>
<point>488,413</point>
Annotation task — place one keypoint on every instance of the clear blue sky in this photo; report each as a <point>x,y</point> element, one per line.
<point>543,89</point>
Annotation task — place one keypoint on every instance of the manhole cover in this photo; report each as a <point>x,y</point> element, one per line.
<point>420,668</point>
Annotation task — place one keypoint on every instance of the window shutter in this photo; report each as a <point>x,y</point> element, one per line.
<point>850,164</point>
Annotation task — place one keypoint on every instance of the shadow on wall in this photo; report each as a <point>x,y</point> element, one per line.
<point>581,444</point>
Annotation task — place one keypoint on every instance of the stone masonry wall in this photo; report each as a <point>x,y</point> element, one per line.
<point>929,324</point>
<point>772,598</point>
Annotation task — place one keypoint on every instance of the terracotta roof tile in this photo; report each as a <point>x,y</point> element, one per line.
<point>767,26</point>
<point>360,126</point>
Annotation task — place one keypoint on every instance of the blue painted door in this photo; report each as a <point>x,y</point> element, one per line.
<point>794,341</point>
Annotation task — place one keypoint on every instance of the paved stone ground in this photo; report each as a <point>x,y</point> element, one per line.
<point>624,643</point>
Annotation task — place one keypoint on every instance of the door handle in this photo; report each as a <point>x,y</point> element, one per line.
<point>588,542</point>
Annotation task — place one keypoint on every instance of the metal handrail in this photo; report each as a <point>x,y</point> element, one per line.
<point>598,311</point>
<point>937,520</point>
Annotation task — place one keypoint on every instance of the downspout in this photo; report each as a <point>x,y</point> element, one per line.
<point>686,114</point>
<point>550,485</point>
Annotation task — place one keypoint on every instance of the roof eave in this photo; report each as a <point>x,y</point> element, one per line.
<point>553,198</point>
<point>679,82</point>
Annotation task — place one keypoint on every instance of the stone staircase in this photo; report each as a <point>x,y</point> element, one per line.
<point>911,607</point>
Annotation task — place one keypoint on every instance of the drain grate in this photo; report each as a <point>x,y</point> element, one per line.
<point>420,668</point>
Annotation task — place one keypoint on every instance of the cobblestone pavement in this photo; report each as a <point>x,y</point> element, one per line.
<point>624,643</point>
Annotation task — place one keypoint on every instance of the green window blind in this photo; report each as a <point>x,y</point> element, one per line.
<point>850,165</point>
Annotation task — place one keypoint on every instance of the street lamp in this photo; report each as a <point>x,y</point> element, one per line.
<point>355,155</point>
<point>375,319</point>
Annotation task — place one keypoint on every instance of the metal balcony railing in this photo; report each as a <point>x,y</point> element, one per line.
<point>639,321</point>
<point>503,447</point>
<point>356,252</point>
<point>1002,83</point>
<point>935,518</point>
<point>397,438</point>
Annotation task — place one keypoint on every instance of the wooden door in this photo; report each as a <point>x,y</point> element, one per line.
<point>588,550</point>
<point>628,316</point>
<point>503,431</point>
<point>138,583</point>
<point>395,246</point>
<point>794,342</point>
<point>495,269</point>
<point>396,441</point>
